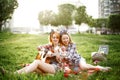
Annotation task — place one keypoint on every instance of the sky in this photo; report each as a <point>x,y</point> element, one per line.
<point>23,15</point>
<point>92,7</point>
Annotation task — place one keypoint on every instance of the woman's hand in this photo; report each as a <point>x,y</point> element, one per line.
<point>58,57</point>
<point>39,48</point>
<point>49,54</point>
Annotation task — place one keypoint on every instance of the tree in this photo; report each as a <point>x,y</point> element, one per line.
<point>114,23</point>
<point>48,17</point>
<point>55,20</point>
<point>91,21</point>
<point>65,14</point>
<point>81,15</point>
<point>45,17</point>
<point>101,22</point>
<point>7,8</point>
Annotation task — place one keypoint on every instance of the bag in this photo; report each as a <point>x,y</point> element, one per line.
<point>98,56</point>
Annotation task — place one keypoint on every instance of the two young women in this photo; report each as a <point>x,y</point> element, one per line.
<point>75,61</point>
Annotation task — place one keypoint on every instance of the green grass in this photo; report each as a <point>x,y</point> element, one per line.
<point>16,49</point>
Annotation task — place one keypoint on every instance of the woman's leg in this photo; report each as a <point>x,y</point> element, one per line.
<point>31,68</point>
<point>47,68</point>
<point>39,71</point>
<point>37,64</point>
<point>84,66</point>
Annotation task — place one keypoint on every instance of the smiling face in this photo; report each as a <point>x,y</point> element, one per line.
<point>54,38</point>
<point>65,39</point>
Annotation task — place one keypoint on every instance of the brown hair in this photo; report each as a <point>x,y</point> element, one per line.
<point>65,33</point>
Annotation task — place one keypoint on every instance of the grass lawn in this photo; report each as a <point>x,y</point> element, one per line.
<point>16,49</point>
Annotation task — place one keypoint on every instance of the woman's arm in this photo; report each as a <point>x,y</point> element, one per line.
<point>47,46</point>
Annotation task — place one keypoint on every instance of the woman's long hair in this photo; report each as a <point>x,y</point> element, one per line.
<point>64,33</point>
<point>51,35</point>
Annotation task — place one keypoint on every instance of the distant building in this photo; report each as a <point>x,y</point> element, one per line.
<point>107,7</point>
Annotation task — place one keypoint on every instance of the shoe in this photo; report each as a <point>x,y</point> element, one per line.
<point>2,70</point>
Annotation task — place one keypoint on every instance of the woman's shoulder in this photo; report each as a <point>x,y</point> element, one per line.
<point>45,46</point>
<point>73,44</point>
<point>48,44</point>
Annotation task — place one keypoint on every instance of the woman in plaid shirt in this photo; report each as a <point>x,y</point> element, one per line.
<point>76,62</point>
<point>40,66</point>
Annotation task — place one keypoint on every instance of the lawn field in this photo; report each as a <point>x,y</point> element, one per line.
<point>17,49</point>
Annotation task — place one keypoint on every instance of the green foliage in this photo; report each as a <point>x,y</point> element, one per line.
<point>62,18</point>
<point>65,14</point>
<point>16,49</point>
<point>90,21</point>
<point>55,20</point>
<point>81,15</point>
<point>6,10</point>
<point>101,22</point>
<point>114,23</point>
<point>47,17</point>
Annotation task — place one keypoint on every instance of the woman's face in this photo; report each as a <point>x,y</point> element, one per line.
<point>65,39</point>
<point>55,39</point>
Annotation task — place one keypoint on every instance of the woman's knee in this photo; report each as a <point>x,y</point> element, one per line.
<point>37,62</point>
<point>83,66</point>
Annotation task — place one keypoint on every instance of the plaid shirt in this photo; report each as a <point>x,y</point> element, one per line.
<point>72,55</point>
<point>48,47</point>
